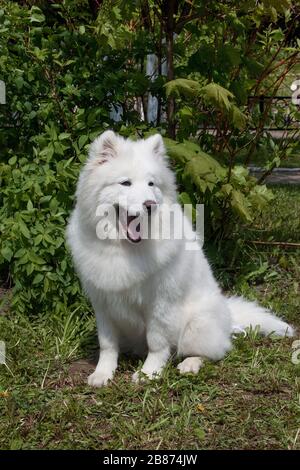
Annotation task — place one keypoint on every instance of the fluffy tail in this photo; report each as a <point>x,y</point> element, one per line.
<point>245,314</point>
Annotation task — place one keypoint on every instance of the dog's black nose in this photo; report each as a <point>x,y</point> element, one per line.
<point>150,206</point>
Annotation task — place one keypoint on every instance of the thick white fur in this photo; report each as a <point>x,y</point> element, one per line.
<point>153,297</point>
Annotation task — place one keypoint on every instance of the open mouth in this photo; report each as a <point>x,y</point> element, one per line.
<point>133,228</point>
<point>130,224</point>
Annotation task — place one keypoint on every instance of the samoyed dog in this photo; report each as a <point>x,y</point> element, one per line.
<point>156,294</point>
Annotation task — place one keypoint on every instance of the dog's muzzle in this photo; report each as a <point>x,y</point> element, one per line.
<point>150,206</point>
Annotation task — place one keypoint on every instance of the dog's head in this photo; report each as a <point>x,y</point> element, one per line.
<point>130,177</point>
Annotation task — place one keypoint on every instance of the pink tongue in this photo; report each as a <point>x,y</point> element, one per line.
<point>133,229</point>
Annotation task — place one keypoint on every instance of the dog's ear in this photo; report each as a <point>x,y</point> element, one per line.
<point>157,145</point>
<point>104,147</point>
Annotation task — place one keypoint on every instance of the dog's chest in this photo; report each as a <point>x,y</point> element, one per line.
<point>131,303</point>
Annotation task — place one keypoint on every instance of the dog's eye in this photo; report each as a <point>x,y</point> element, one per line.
<point>126,183</point>
<point>150,183</point>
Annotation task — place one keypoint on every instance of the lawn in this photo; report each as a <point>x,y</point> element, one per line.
<point>249,400</point>
<point>261,156</point>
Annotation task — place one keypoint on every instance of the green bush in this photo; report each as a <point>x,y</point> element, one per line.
<point>227,200</point>
<point>36,198</point>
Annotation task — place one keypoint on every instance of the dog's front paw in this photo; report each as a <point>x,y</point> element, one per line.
<point>138,377</point>
<point>99,379</point>
<point>141,377</point>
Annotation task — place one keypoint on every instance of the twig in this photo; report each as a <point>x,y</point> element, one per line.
<point>56,97</point>
<point>287,244</point>
<point>266,70</point>
<point>263,118</point>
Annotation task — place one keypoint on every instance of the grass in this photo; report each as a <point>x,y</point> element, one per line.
<point>292,161</point>
<point>249,400</point>
<point>262,156</point>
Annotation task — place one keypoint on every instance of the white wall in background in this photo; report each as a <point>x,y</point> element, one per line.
<point>2,92</point>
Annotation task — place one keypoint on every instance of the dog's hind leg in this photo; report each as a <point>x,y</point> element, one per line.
<point>190,364</point>
<point>206,334</point>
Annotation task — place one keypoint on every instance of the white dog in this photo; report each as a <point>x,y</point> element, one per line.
<point>149,295</point>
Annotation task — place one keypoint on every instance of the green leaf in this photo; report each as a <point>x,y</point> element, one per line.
<point>7,253</point>
<point>46,285</point>
<point>29,206</point>
<point>260,196</point>
<point>12,161</point>
<point>240,205</point>
<point>23,228</point>
<point>184,198</point>
<point>38,239</point>
<point>21,252</point>
<point>29,269</point>
<point>38,278</point>
<point>82,140</point>
<point>182,86</point>
<point>216,95</point>
<point>226,189</point>
<point>36,15</point>
<point>34,258</point>
<point>238,118</point>
<point>239,174</point>
<point>64,136</point>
